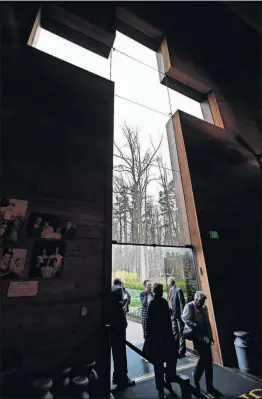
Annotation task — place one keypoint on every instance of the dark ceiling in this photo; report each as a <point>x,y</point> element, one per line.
<point>248,11</point>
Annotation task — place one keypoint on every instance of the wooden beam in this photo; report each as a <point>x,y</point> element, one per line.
<point>35,30</point>
<point>215,110</point>
<point>165,56</point>
<point>173,75</point>
<point>195,232</point>
<point>77,25</point>
<point>138,29</point>
<point>176,69</point>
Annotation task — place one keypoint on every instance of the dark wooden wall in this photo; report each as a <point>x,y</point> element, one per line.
<point>57,143</point>
<point>225,173</point>
<point>226,183</point>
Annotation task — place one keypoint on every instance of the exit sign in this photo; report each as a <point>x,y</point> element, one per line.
<point>213,234</point>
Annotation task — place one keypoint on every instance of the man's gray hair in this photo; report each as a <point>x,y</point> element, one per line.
<point>171,280</point>
<point>200,295</point>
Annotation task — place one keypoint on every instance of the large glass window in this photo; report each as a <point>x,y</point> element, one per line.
<point>150,228</point>
<point>145,208</point>
<point>150,225</point>
<point>148,196</point>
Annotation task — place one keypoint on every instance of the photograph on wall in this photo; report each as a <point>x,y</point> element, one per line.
<point>41,225</point>
<point>12,261</point>
<point>12,217</point>
<point>47,259</point>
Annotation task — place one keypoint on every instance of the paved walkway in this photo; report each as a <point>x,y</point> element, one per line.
<point>134,333</point>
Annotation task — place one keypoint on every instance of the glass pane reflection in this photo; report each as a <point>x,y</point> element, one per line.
<point>134,264</point>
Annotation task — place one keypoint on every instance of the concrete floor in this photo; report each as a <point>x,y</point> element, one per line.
<point>134,333</point>
<point>137,366</point>
<point>232,384</point>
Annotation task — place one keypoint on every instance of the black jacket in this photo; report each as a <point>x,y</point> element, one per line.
<point>118,318</point>
<point>68,234</point>
<point>178,302</point>
<point>159,336</point>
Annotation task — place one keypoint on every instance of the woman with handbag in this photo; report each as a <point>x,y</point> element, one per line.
<point>198,329</point>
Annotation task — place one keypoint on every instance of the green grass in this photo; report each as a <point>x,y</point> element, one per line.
<point>134,308</point>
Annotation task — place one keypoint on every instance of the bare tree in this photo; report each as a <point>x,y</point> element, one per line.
<point>167,203</point>
<point>138,216</point>
<point>136,166</point>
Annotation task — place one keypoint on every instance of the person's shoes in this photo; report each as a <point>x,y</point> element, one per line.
<point>161,394</point>
<point>214,392</point>
<point>126,384</point>
<point>168,386</point>
<point>196,383</point>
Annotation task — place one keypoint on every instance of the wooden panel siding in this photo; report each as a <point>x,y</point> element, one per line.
<point>57,136</point>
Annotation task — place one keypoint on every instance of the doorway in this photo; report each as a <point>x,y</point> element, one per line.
<point>156,264</point>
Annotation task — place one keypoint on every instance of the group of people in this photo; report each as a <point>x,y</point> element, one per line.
<point>176,302</point>
<point>43,229</point>
<point>10,267</point>
<point>10,223</point>
<point>166,326</point>
<point>48,265</point>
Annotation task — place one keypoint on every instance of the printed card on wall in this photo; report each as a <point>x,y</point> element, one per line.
<point>12,217</point>
<point>12,262</point>
<point>22,288</point>
<point>42,225</point>
<point>47,259</point>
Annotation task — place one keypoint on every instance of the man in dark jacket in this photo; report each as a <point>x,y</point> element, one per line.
<point>177,304</point>
<point>68,231</point>
<point>118,337</point>
<point>161,342</point>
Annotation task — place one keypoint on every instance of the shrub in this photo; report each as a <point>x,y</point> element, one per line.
<point>134,285</point>
<point>128,277</point>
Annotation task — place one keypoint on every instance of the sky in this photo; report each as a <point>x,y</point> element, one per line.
<point>140,100</point>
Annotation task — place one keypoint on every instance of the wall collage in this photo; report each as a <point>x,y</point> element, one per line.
<point>48,234</point>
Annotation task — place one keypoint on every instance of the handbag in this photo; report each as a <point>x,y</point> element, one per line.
<point>189,333</point>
